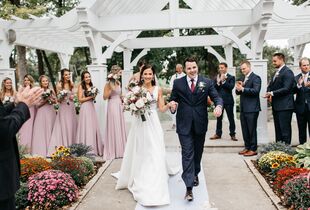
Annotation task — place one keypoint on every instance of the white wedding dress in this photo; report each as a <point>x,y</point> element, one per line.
<point>144,169</point>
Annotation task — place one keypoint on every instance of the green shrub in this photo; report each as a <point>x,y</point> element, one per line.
<point>21,196</point>
<point>276,146</point>
<point>79,150</point>
<point>89,165</point>
<point>303,155</point>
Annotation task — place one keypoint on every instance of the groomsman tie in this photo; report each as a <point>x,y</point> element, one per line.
<point>192,85</point>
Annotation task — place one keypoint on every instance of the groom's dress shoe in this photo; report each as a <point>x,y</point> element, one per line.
<point>189,195</point>
<point>215,137</point>
<point>196,181</point>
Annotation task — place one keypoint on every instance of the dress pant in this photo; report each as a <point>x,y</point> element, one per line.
<point>8,204</point>
<point>303,119</point>
<point>229,108</point>
<point>282,123</point>
<point>249,129</point>
<point>192,149</point>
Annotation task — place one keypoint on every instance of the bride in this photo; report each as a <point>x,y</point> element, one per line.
<point>144,169</point>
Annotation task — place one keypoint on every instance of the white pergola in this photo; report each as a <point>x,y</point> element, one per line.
<point>115,24</point>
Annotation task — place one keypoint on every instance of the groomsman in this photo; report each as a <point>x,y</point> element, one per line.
<point>248,89</point>
<point>280,92</point>
<point>302,102</point>
<point>224,85</point>
<point>178,74</point>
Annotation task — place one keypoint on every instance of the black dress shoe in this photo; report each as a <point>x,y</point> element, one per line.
<point>196,181</point>
<point>189,195</point>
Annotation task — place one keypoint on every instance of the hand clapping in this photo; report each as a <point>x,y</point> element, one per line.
<point>29,96</point>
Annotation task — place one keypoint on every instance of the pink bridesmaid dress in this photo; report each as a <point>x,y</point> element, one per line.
<point>115,132</point>
<point>26,131</point>
<point>88,131</point>
<point>64,131</point>
<point>42,129</point>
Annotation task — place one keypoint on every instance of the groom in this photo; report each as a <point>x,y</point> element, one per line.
<point>189,95</point>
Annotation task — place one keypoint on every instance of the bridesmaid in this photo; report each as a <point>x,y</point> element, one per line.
<point>7,93</point>
<point>26,131</point>
<point>44,121</point>
<point>88,131</point>
<point>64,131</point>
<point>115,132</point>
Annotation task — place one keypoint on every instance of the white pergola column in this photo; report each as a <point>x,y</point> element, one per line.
<point>128,70</point>
<point>64,60</point>
<point>5,52</point>
<point>259,67</point>
<point>99,75</point>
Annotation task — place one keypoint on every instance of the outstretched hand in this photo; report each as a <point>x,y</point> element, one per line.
<point>29,96</point>
<point>217,111</point>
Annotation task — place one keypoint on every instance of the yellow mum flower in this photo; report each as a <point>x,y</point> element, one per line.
<point>275,165</point>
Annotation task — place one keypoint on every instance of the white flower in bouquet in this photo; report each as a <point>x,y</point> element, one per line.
<point>133,107</point>
<point>46,95</point>
<point>8,99</point>
<point>93,91</point>
<point>136,90</point>
<point>62,95</point>
<point>140,103</point>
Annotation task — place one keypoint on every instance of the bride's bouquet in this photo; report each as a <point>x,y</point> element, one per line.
<point>62,95</point>
<point>46,95</point>
<point>137,101</point>
<point>92,91</point>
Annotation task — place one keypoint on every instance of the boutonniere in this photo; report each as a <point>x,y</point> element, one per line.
<point>276,75</point>
<point>201,86</point>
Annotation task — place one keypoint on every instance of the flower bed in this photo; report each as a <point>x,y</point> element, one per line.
<point>285,175</point>
<point>52,184</point>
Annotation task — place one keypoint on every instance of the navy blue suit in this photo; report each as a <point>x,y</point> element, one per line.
<point>11,120</point>
<point>283,103</point>
<point>192,122</point>
<point>302,109</point>
<point>225,92</point>
<point>249,110</point>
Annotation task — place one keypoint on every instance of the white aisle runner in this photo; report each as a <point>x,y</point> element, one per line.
<point>177,193</point>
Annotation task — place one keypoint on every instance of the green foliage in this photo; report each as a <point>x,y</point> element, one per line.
<point>79,150</point>
<point>21,196</point>
<point>297,2</point>
<point>276,146</point>
<point>23,150</point>
<point>303,155</point>
<point>89,165</point>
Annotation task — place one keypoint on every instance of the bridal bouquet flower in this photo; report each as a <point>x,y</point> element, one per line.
<point>8,99</point>
<point>62,95</point>
<point>46,95</point>
<point>92,91</point>
<point>137,101</point>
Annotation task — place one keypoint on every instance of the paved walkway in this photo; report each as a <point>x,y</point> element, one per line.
<point>230,183</point>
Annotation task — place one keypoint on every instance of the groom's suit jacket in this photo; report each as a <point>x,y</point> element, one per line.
<point>192,107</point>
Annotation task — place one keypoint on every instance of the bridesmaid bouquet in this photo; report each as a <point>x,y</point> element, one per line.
<point>62,95</point>
<point>92,91</point>
<point>8,99</point>
<point>113,77</point>
<point>137,101</point>
<point>46,95</point>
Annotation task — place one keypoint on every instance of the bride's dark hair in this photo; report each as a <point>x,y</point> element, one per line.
<point>147,66</point>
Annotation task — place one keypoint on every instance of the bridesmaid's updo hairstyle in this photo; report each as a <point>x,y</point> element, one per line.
<point>28,76</point>
<point>62,80</point>
<point>83,83</point>
<point>115,69</point>
<point>147,66</point>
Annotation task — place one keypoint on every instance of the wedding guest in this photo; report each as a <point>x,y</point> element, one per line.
<point>88,131</point>
<point>26,131</point>
<point>302,101</point>
<point>280,92</point>
<point>7,93</point>
<point>44,120</point>
<point>224,85</point>
<point>178,74</point>
<point>64,131</point>
<point>11,119</point>
<point>248,89</point>
<point>115,132</point>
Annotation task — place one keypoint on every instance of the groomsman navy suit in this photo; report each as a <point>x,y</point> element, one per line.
<point>191,94</point>
<point>224,84</point>
<point>249,108</point>
<point>281,92</point>
<point>302,102</point>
